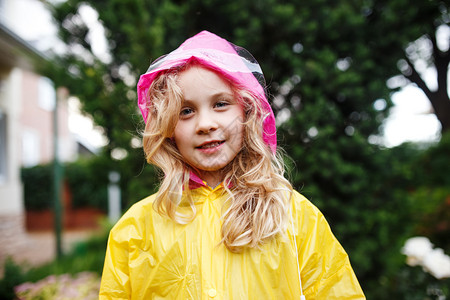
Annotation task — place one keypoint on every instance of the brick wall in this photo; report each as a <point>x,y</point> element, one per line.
<point>12,234</point>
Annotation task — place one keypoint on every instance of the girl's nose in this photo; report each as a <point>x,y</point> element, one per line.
<point>206,122</point>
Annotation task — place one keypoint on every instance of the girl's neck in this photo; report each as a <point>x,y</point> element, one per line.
<point>213,179</point>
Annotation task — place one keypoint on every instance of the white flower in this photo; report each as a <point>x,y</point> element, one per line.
<point>416,249</point>
<point>437,263</point>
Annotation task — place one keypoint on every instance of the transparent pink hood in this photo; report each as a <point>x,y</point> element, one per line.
<point>234,63</point>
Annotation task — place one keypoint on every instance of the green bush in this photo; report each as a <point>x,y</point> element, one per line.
<point>87,181</point>
<point>13,275</point>
<point>412,283</point>
<point>431,196</point>
<point>38,187</point>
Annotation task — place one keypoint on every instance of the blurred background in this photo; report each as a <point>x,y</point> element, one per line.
<point>360,90</point>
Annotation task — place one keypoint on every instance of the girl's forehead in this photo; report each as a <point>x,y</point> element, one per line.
<point>199,71</point>
<point>199,82</point>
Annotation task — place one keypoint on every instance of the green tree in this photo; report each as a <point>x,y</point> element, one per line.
<point>326,65</point>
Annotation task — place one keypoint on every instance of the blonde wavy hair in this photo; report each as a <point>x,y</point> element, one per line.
<point>258,194</point>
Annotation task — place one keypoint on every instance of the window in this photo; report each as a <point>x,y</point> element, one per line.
<point>47,94</point>
<point>30,148</point>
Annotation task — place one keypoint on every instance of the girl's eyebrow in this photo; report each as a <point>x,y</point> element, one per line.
<point>221,94</point>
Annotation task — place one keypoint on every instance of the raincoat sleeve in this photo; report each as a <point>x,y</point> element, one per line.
<point>115,282</point>
<point>325,268</point>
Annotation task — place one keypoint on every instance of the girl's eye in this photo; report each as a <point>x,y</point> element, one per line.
<point>221,104</point>
<point>186,111</point>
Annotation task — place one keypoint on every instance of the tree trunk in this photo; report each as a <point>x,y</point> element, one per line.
<point>439,99</point>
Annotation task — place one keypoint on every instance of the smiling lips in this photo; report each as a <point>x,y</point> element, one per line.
<point>210,145</point>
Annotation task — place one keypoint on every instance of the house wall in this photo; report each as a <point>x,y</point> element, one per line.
<point>12,217</point>
<point>10,185</point>
<point>36,118</point>
<point>28,141</point>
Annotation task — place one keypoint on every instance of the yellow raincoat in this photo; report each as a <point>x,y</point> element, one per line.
<point>152,257</point>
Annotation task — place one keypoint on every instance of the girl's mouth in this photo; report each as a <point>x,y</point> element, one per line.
<point>211,145</point>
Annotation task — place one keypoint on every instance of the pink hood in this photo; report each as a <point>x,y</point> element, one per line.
<point>212,51</point>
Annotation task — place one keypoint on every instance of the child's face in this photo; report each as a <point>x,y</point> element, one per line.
<point>209,131</point>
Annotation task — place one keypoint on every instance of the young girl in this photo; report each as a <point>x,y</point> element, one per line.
<point>225,223</point>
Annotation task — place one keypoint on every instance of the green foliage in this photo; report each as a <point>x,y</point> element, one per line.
<point>136,186</point>
<point>361,190</point>
<point>13,275</point>
<point>431,196</point>
<point>432,214</point>
<point>88,181</point>
<point>38,191</point>
<point>412,283</point>
<point>435,163</point>
<point>424,193</point>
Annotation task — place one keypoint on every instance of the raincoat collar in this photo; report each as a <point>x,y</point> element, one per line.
<point>196,182</point>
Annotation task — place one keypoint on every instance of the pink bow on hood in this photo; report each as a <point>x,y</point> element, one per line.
<point>232,62</point>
